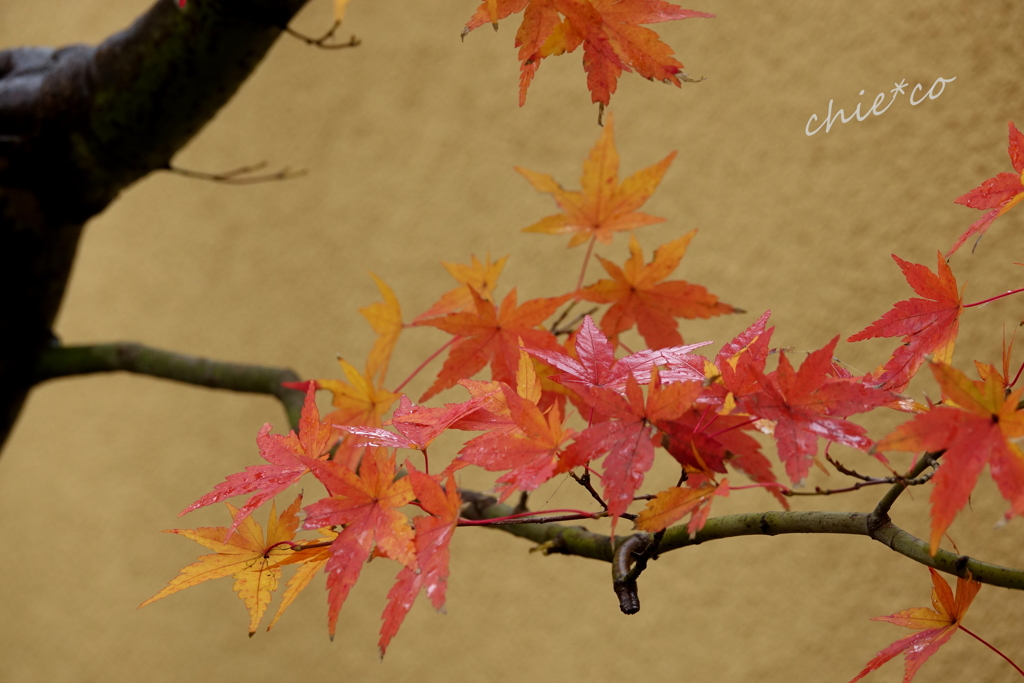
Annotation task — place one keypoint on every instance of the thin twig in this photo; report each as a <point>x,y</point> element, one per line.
<point>880,515</point>
<point>241,175</point>
<point>865,481</point>
<point>321,42</point>
<point>584,481</point>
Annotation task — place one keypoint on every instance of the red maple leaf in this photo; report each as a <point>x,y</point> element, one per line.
<point>287,455</point>
<point>491,335</point>
<point>809,403</point>
<point>938,624</point>
<point>742,361</point>
<point>640,296</point>
<point>703,440</point>
<point>367,505</point>
<point>999,193</point>
<point>597,367</point>
<point>417,426</point>
<point>626,436</point>
<point>928,326</point>
<point>433,537</point>
<point>982,425</point>
<point>530,450</point>
<point>608,30</point>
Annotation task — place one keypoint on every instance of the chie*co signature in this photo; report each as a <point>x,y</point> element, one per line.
<point>933,93</point>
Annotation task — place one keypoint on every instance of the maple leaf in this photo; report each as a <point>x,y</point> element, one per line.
<point>809,403</point>
<point>287,456</point>
<point>1000,193</point>
<point>626,436</point>
<point>385,317</point>
<point>982,426</point>
<point>478,277</point>
<point>245,555</point>
<point>597,367</point>
<point>640,297</point>
<point>603,206</point>
<point>928,326</point>
<point>741,362</point>
<point>367,504</point>
<point>938,624</point>
<point>433,537</point>
<point>609,31</point>
<point>491,334</point>
<point>358,402</point>
<point>530,450</point>
<point>705,441</point>
<point>311,561</point>
<point>669,506</point>
<point>339,10</point>
<point>417,426</point>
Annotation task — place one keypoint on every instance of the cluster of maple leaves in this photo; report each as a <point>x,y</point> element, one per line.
<point>701,410</point>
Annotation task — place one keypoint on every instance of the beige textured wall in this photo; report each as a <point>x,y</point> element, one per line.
<point>410,141</point>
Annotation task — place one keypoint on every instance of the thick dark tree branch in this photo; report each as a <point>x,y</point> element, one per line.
<point>65,361</point>
<point>558,539</point>
<point>79,124</point>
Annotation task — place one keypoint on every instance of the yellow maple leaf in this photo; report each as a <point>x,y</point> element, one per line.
<point>359,403</point>
<point>385,317</point>
<point>252,560</point>
<point>476,277</point>
<point>310,560</point>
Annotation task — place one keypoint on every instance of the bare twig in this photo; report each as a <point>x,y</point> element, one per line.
<point>241,175</point>
<point>584,481</point>
<point>322,41</point>
<point>880,515</point>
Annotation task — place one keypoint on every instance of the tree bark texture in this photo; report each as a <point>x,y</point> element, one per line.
<point>79,124</point>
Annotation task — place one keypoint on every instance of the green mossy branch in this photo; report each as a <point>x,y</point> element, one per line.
<point>560,539</point>
<point>65,361</point>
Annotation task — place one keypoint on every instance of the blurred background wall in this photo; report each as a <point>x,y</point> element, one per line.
<point>410,140</point>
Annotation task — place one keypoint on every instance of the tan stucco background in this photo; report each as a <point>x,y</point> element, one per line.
<point>410,142</point>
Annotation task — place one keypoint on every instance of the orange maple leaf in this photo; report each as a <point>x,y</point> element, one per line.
<point>245,555</point>
<point>603,207</point>
<point>981,426</point>
<point>367,505</point>
<point>669,506</point>
<point>1000,193</point>
<point>640,297</point>
<point>492,335</point>
<point>928,326</point>
<point>938,624</point>
<point>478,277</point>
<point>609,31</point>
